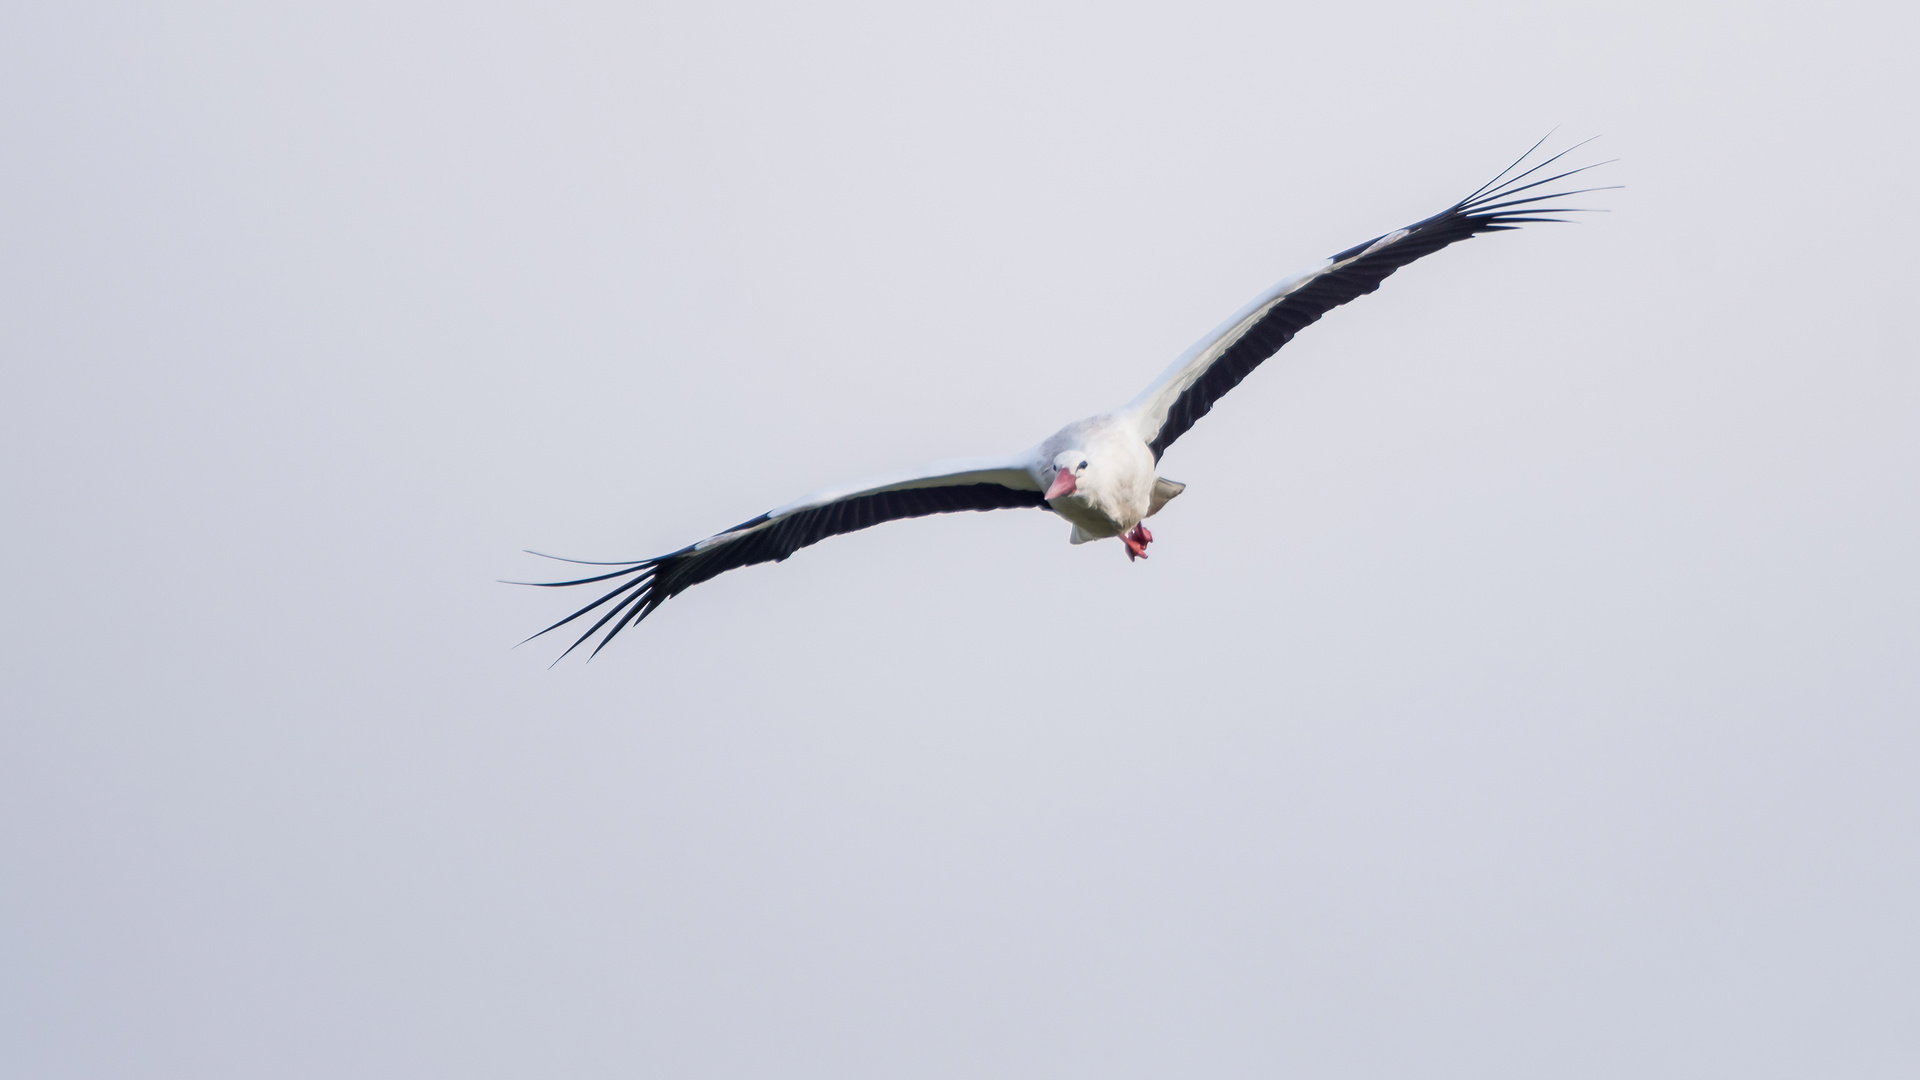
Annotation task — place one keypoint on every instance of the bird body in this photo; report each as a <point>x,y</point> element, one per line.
<point>1113,476</point>
<point>1100,474</point>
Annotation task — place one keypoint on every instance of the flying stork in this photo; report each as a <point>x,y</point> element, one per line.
<point>1101,474</point>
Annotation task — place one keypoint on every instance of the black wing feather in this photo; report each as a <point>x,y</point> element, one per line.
<point>1492,209</point>
<point>650,582</point>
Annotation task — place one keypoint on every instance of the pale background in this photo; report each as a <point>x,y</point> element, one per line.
<point>1526,685</point>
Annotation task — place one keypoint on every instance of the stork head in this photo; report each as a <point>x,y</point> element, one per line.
<point>1067,468</point>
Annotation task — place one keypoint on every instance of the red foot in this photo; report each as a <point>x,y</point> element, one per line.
<point>1137,542</point>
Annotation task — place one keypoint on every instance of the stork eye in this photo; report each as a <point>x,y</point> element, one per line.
<point>1083,464</point>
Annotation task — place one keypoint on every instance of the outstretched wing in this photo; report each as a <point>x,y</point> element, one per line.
<point>1216,363</point>
<point>941,488</point>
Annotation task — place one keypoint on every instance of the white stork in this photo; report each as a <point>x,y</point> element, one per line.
<point>1101,473</point>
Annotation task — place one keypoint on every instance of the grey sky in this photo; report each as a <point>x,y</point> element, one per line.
<point>1524,686</point>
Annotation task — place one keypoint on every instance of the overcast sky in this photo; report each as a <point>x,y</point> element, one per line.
<point>1527,684</point>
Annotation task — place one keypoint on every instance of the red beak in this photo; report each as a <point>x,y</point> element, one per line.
<point>1062,485</point>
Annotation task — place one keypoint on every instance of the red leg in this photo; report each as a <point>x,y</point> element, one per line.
<point>1137,542</point>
